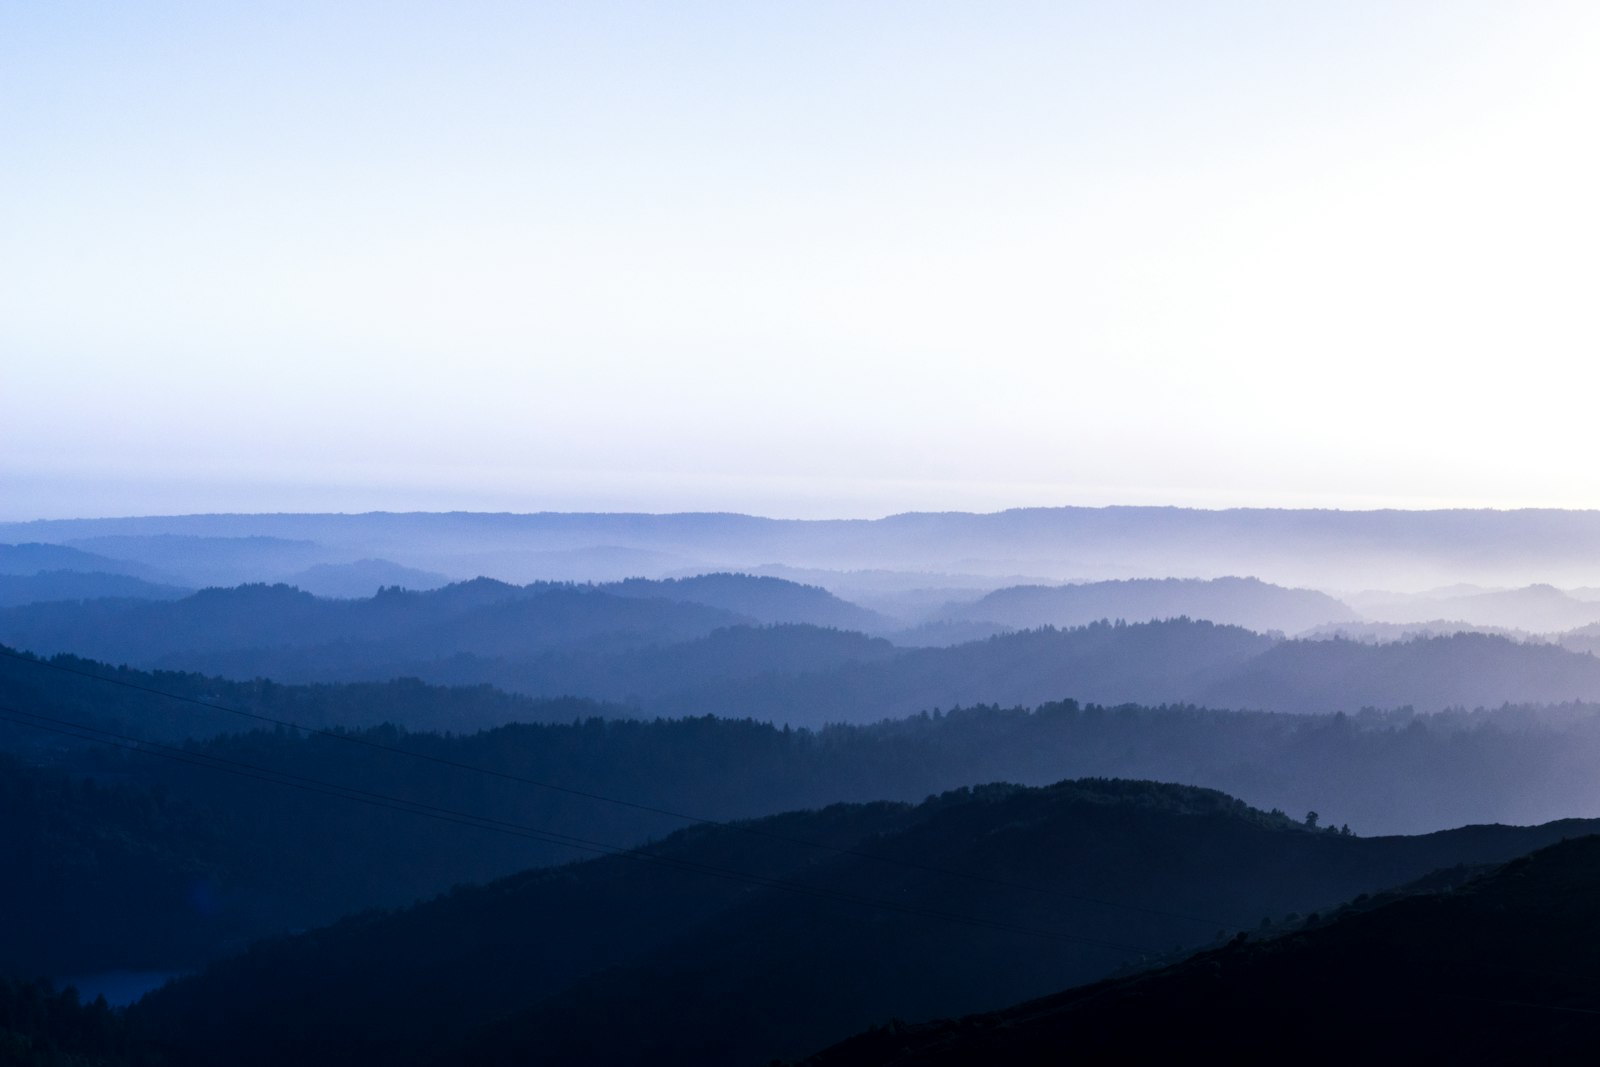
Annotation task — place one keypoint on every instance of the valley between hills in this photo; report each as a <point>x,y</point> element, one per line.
<point>287,800</point>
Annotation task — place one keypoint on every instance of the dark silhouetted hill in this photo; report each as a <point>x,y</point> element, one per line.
<point>136,704</point>
<point>271,857</point>
<point>41,1026</point>
<point>1067,884</point>
<point>1495,970</point>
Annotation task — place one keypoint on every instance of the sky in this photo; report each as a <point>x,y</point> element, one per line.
<point>819,259</point>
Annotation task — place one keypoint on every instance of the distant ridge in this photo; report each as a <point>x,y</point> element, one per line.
<point>1313,547</point>
<point>675,657</point>
<point>1539,608</point>
<point>48,586</point>
<point>1247,602</point>
<point>31,558</point>
<point>764,599</point>
<point>362,578</point>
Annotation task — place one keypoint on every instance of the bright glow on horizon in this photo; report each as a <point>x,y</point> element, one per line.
<point>816,260</point>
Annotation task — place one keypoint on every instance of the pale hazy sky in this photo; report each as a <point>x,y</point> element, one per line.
<point>797,258</point>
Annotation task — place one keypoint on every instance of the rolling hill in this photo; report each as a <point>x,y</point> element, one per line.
<point>33,557</point>
<point>47,586</point>
<point>676,657</point>
<point>1494,968</point>
<point>702,942</point>
<point>362,578</point>
<point>764,599</point>
<point>1535,608</point>
<point>481,617</point>
<point>1247,602</point>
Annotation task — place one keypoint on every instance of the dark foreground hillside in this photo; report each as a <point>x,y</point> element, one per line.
<point>733,944</point>
<point>1498,970</point>
<point>41,1026</point>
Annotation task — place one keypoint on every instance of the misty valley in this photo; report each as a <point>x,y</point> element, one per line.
<point>424,789</point>
<point>730,534</point>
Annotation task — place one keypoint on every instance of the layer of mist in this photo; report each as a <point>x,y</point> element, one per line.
<point>338,768</point>
<point>1330,550</point>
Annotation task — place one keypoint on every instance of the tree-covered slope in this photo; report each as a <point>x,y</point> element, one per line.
<point>1247,602</point>
<point>175,705</point>
<point>274,857</point>
<point>41,1026</point>
<point>1428,673</point>
<point>47,586</point>
<point>1498,969</point>
<point>396,627</point>
<point>764,599</point>
<point>679,657</point>
<point>34,557</point>
<point>709,948</point>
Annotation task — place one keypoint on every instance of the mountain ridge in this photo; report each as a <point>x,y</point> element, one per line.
<point>1490,969</point>
<point>1353,549</point>
<point>690,987</point>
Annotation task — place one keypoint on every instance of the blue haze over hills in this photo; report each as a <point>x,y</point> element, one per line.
<point>783,651</point>
<point>1352,550</point>
<point>1401,671</point>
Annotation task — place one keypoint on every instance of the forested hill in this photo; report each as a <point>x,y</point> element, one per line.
<point>1496,970</point>
<point>482,617</point>
<point>45,586</point>
<point>1461,670</point>
<point>967,901</point>
<point>172,705</point>
<point>764,599</point>
<point>1247,602</point>
<point>123,839</point>
<point>663,656</point>
<point>808,677</point>
<point>32,557</point>
<point>42,1026</point>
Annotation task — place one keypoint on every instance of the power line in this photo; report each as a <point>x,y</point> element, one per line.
<point>843,850</point>
<point>86,732</point>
